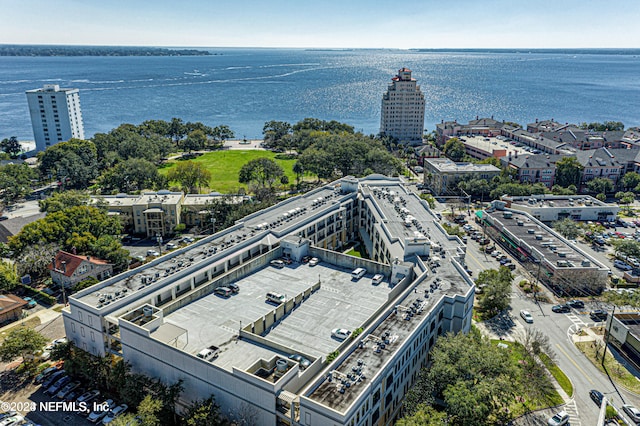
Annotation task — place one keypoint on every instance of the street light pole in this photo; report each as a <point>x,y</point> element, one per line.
<point>159,240</point>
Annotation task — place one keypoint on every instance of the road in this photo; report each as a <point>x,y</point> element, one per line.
<point>560,329</point>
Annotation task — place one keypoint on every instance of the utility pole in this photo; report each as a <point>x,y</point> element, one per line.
<point>606,335</point>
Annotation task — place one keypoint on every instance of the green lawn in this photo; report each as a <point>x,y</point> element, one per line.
<point>225,166</point>
<point>557,374</point>
<point>615,370</point>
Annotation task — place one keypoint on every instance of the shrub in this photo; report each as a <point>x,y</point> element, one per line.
<point>40,295</point>
<point>333,355</point>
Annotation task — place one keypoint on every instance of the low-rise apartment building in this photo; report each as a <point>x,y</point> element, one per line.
<point>442,175</point>
<point>160,316</point>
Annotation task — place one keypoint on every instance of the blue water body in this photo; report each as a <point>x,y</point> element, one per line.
<point>244,88</point>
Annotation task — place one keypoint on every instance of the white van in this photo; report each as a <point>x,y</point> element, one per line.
<point>358,273</point>
<point>275,297</point>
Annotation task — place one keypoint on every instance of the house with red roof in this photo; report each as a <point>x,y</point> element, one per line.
<point>69,269</point>
<point>10,307</point>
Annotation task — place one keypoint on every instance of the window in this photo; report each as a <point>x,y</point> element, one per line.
<point>82,331</point>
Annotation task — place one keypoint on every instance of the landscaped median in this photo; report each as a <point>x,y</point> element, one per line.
<point>557,374</point>
<point>594,350</point>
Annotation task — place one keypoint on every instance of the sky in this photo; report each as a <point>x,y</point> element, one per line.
<point>324,23</point>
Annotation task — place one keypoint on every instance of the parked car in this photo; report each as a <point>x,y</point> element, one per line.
<point>561,309</point>
<point>621,265</point>
<point>526,316</point>
<point>314,261</point>
<point>55,388</point>
<point>62,393</point>
<point>12,421</point>
<point>89,396</point>
<point>46,383</point>
<point>171,246</point>
<point>578,304</point>
<point>74,394</point>
<point>234,287</point>
<point>598,315</point>
<point>632,412</point>
<point>559,419</point>
<point>116,412</point>
<point>30,302</point>
<point>153,253</point>
<point>101,410</point>
<point>46,373</point>
<point>596,396</point>
<point>340,333</point>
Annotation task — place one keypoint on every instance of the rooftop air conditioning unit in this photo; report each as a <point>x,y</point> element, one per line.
<point>147,311</point>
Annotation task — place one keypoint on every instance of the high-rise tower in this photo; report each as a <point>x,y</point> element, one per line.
<point>55,115</point>
<point>402,113</point>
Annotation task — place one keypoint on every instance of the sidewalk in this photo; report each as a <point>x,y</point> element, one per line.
<point>45,315</point>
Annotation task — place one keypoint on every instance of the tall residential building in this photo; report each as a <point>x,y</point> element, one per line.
<point>402,113</point>
<point>55,115</point>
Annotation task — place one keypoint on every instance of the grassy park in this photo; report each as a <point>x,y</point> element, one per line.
<point>225,166</point>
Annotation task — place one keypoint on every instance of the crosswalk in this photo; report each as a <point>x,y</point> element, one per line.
<point>572,409</point>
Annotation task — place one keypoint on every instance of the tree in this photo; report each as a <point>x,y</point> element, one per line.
<point>177,130</point>
<point>474,377</point>
<point>11,146</point>
<point>63,200</point>
<point>626,247</point>
<point>9,278</point>
<point>34,259</point>
<point>274,132</point>
<point>496,289</point>
<point>15,182</point>
<point>568,171</point>
<point>195,141</point>
<point>260,172</point>
<point>21,341</point>
<point>203,412</point>
<point>425,415</point>
<point>222,133</point>
<point>600,185</point>
<point>568,228</point>
<point>601,197</point>
<point>602,127</point>
<point>148,411</point>
<point>454,149</point>
<point>132,175</point>
<point>73,163</point>
<point>298,169</point>
<point>625,198</point>
<point>630,181</point>
<point>190,175</point>
<point>517,189</point>
<point>559,190</point>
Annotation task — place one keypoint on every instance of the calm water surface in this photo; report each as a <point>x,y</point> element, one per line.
<point>244,88</point>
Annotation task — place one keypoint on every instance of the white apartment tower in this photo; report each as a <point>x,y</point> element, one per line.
<point>402,113</point>
<point>55,115</point>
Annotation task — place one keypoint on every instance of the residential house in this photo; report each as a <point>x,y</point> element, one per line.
<point>68,269</point>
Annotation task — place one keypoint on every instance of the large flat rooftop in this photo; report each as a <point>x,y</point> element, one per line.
<point>491,144</point>
<point>574,201</point>
<point>537,236</point>
<point>339,303</point>
<point>364,363</point>
<point>270,223</point>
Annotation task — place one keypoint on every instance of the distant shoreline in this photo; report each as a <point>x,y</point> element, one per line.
<point>46,50</point>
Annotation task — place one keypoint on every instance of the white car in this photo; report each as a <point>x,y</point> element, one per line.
<point>152,253</point>
<point>559,419</point>
<point>171,246</point>
<point>340,333</point>
<point>377,279</point>
<point>12,421</point>
<point>116,412</point>
<point>632,412</point>
<point>101,411</point>
<point>314,261</point>
<point>526,316</point>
